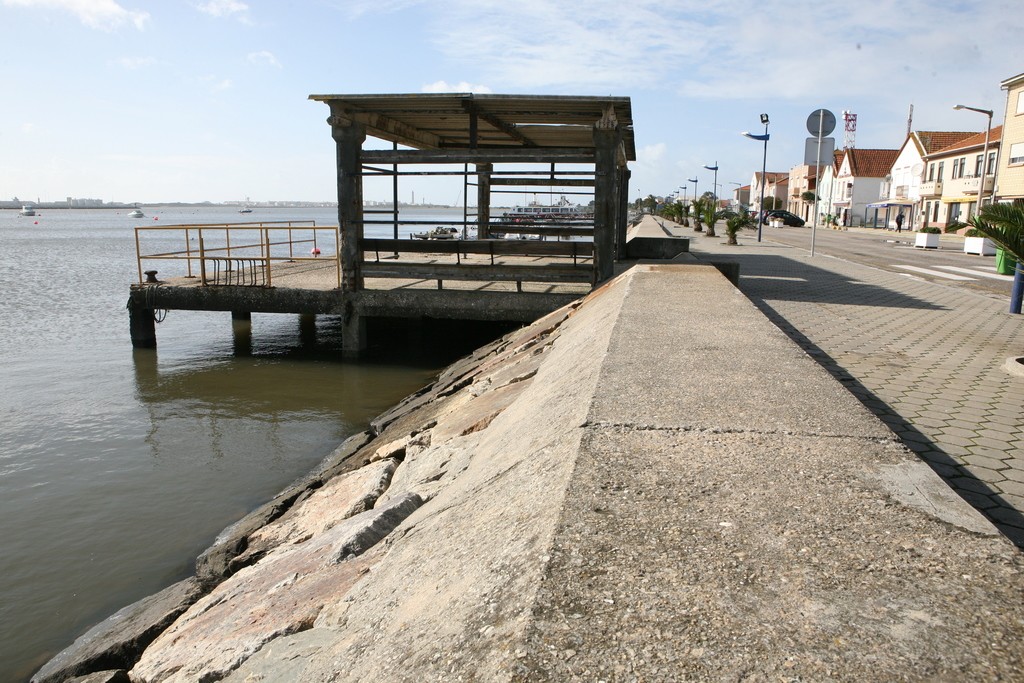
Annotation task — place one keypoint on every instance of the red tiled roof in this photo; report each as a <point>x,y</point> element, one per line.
<point>837,160</point>
<point>975,140</point>
<point>871,163</point>
<point>772,176</point>
<point>934,140</point>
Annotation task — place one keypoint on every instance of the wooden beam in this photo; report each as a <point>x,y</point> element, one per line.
<point>484,273</point>
<point>544,182</point>
<point>535,155</point>
<point>505,127</point>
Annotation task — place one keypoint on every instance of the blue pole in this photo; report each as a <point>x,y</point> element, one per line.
<point>1018,289</point>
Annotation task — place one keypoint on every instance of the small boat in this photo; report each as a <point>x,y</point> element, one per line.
<point>245,210</point>
<point>27,210</point>
<point>438,233</point>
<point>136,213</point>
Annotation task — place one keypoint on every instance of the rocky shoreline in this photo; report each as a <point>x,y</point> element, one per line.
<point>604,494</point>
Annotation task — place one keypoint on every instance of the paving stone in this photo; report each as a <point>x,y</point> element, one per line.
<point>991,477</point>
<point>958,432</point>
<point>977,500</point>
<point>955,440</point>
<point>971,484</point>
<point>986,451</point>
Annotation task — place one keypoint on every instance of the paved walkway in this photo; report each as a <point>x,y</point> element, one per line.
<point>926,358</point>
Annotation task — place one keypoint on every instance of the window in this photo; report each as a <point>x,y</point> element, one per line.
<point>991,163</point>
<point>977,166</point>
<point>1020,102</point>
<point>956,172</point>
<point>931,172</point>
<point>935,217</point>
<point>939,176</point>
<point>1017,153</point>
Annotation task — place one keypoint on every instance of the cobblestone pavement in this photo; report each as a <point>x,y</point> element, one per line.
<point>926,358</point>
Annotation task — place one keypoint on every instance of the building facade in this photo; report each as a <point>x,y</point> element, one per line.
<point>955,174</point>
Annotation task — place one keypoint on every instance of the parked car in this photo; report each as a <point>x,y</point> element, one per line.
<point>787,218</point>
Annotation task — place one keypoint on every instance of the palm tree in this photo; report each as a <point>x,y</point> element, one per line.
<point>712,214</point>
<point>735,222</point>
<point>1001,223</point>
<point>697,208</point>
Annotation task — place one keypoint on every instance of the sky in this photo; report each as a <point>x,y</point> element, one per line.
<point>207,100</point>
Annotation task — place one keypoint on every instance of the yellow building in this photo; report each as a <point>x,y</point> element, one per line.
<point>1010,176</point>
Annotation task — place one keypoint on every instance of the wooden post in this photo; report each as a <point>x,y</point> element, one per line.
<point>349,136</point>
<point>607,137</point>
<point>483,201</point>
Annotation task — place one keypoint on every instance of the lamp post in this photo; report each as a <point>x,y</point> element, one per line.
<point>714,186</point>
<point>984,154</point>
<point>764,161</point>
<point>694,181</point>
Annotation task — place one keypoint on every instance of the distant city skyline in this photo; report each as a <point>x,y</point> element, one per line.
<point>207,100</point>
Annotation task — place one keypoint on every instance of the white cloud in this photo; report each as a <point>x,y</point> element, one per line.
<point>263,58</point>
<point>133,63</point>
<point>216,84</point>
<point>105,15</point>
<point>28,128</point>
<point>224,8</point>
<point>461,86</point>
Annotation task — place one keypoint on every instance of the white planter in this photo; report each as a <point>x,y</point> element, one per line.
<point>927,240</point>
<point>982,246</point>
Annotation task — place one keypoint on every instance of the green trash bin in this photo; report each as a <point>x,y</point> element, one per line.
<point>1005,264</point>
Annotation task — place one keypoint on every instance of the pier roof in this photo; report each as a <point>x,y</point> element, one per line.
<point>447,121</point>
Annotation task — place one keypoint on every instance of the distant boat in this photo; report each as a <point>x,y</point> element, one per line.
<point>136,213</point>
<point>245,210</point>
<point>27,210</point>
<point>438,233</point>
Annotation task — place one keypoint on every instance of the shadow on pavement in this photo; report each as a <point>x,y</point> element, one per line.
<point>790,279</point>
<point>977,493</point>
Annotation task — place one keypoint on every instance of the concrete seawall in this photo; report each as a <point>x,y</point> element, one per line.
<point>651,484</point>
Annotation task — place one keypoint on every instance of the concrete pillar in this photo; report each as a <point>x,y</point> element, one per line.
<point>349,136</point>
<point>142,324</point>
<point>241,315</point>
<point>307,329</point>
<point>621,218</point>
<point>353,332</point>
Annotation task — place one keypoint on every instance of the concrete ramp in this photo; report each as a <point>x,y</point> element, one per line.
<point>653,484</point>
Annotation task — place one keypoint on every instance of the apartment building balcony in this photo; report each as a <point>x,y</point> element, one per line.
<point>970,184</point>
<point>931,188</point>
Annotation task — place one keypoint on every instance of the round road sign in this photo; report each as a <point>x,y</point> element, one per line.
<point>821,122</point>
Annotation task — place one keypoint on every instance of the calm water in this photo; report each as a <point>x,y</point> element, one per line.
<point>117,467</point>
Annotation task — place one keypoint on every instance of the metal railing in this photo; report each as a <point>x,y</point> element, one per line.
<point>238,254</point>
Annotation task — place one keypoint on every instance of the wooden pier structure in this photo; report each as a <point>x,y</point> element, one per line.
<point>496,144</point>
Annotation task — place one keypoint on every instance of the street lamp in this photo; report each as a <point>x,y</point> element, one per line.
<point>694,181</point>
<point>683,188</point>
<point>714,186</point>
<point>764,161</point>
<point>984,153</point>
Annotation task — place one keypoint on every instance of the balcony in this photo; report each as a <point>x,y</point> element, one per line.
<point>931,188</point>
<point>970,184</point>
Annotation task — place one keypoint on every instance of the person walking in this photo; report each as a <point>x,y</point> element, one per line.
<point>899,222</point>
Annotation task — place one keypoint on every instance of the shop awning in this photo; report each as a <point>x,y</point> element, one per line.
<point>891,202</point>
<point>959,200</point>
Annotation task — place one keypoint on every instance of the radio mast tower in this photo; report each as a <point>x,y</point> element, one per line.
<point>850,131</point>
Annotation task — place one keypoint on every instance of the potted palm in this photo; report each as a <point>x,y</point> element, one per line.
<point>1003,224</point>
<point>927,238</point>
